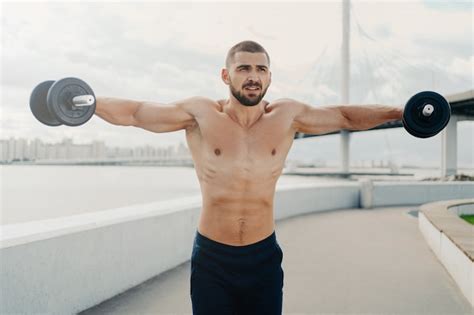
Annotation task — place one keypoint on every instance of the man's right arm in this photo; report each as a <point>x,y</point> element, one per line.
<point>149,115</point>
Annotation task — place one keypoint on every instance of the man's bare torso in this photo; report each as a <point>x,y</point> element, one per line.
<point>238,169</point>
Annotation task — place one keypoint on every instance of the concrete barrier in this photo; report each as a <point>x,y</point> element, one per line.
<point>451,239</point>
<point>296,200</point>
<point>66,265</point>
<point>384,194</point>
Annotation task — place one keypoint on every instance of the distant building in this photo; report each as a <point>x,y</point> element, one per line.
<point>23,150</point>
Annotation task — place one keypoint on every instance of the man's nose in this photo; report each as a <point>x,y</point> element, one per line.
<point>253,78</point>
<point>253,75</point>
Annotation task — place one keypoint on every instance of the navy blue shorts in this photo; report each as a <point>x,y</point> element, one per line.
<point>228,279</point>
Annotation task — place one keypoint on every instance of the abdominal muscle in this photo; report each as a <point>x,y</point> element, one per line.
<point>237,218</point>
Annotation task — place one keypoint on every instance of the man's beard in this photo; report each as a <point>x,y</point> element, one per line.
<point>245,100</point>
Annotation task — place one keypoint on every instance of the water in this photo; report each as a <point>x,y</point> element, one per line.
<point>34,192</point>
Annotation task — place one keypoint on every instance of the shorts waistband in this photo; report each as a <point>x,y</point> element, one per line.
<point>260,245</point>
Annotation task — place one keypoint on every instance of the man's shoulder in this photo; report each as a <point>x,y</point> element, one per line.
<point>198,104</point>
<point>288,105</point>
<point>200,100</point>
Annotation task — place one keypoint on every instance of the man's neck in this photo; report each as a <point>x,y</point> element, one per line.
<point>246,116</point>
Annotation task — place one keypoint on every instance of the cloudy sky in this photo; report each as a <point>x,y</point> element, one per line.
<point>164,52</point>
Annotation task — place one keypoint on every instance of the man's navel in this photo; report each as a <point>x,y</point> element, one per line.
<point>217,151</point>
<point>274,152</point>
<point>241,229</point>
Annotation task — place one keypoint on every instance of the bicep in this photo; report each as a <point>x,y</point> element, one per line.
<point>319,120</point>
<point>158,117</point>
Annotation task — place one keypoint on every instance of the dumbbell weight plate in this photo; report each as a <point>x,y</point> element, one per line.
<point>60,103</point>
<point>38,105</point>
<point>422,126</point>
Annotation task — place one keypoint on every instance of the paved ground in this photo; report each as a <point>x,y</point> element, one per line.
<point>338,262</point>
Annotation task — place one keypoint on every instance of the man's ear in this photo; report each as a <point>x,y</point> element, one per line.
<point>225,76</point>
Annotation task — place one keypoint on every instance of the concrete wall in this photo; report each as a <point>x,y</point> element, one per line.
<point>462,209</point>
<point>65,265</point>
<point>296,200</point>
<point>456,262</point>
<point>401,193</point>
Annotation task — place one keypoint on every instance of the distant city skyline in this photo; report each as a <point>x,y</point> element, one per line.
<point>21,149</point>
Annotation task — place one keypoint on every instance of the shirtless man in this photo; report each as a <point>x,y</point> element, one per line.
<point>239,146</point>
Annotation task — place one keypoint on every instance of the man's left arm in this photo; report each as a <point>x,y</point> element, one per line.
<point>326,119</point>
<point>363,117</point>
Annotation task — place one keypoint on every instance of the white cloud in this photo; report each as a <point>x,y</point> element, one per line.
<point>460,66</point>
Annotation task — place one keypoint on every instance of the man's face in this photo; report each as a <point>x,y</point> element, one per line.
<point>248,77</point>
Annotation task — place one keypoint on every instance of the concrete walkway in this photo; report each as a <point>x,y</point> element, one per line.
<point>338,262</point>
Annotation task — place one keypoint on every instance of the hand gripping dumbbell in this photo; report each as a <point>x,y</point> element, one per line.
<point>426,114</point>
<point>69,101</point>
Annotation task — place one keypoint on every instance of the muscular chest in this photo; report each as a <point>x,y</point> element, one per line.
<point>220,140</point>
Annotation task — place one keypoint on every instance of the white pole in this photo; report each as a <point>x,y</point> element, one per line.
<point>449,148</point>
<point>345,49</point>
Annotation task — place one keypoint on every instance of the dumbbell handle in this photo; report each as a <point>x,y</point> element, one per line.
<point>83,100</point>
<point>428,110</point>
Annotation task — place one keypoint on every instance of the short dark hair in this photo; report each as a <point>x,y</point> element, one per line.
<point>248,46</point>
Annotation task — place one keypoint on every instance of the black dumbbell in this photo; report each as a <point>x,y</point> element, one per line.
<point>69,101</point>
<point>426,114</point>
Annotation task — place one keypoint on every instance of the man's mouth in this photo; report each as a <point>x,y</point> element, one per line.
<point>252,88</point>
